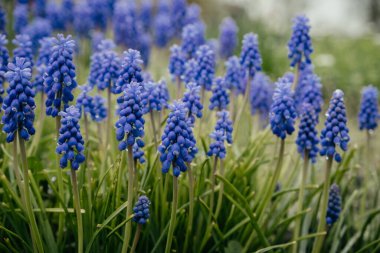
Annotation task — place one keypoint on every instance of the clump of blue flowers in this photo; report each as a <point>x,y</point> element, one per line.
<point>219,99</point>
<point>141,210</point>
<point>233,77</point>
<point>192,38</point>
<point>4,56</point>
<point>336,131</point>
<point>99,111</point>
<point>3,20</point>
<point>299,45</point>
<point>42,63</point>
<point>178,143</point>
<point>205,57</point>
<point>19,103</point>
<point>227,37</point>
<point>261,94</point>
<point>20,16</point>
<point>190,73</point>
<point>23,48</point>
<point>155,97</point>
<point>85,101</point>
<point>283,111</point>
<point>334,205</point>
<point>250,57</point>
<point>60,75</point>
<point>312,93</point>
<point>217,147</point>
<point>192,101</point>
<point>178,14</point>
<point>70,141</point>
<point>82,22</point>
<point>38,29</point>
<point>369,111</point>
<point>177,62</point>
<point>138,154</point>
<point>224,124</point>
<point>145,14</point>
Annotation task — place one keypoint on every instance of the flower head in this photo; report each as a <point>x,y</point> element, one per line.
<point>126,26</point>
<point>176,62</point>
<point>178,15</point>
<point>334,205</point>
<point>83,22</point>
<point>40,8</point>
<point>282,112</point>
<point>60,75</point>
<point>67,7</point>
<point>141,210</point>
<point>70,141</point>
<point>217,147</point>
<point>144,46</point>
<point>155,97</point>
<point>307,139</point>
<point>193,14</point>
<point>23,48</point>
<point>3,20</point>
<point>138,153</point>
<point>38,29</point>
<point>190,73</point>
<point>163,30</point>
<point>19,103</point>
<point>42,62</point>
<point>299,45</point>
<point>336,131</point>
<point>192,101</point>
<point>99,10</point>
<point>4,57</point>
<point>233,77</point>
<point>130,125</point>
<point>219,99</point>
<point>205,57</point>
<point>224,124</point>
<point>146,14</point>
<point>85,101</point>
<point>312,93</point>
<point>227,37</point>
<point>250,58</point>
<point>192,38</point>
<point>261,94</point>
<point>99,111</point>
<point>20,15</point>
<point>54,14</point>
<point>369,112</point>
<point>178,143</point>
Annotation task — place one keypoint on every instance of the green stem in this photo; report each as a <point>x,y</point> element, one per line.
<point>245,102</point>
<point>173,215</point>
<point>323,209</point>
<point>297,229</point>
<point>128,225</point>
<point>212,179</point>
<point>37,241</point>
<point>191,206</point>
<point>77,207</point>
<point>137,237</point>
<point>61,221</point>
<point>153,129</point>
<point>221,190</point>
<point>15,167</point>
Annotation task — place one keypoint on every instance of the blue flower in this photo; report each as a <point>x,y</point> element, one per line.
<point>127,29</point>
<point>83,22</point>
<point>233,77</point>
<point>20,16</point>
<point>99,10</point>
<point>336,131</point>
<point>130,126</point>
<point>303,82</point>
<point>4,57</point>
<point>178,14</point>
<point>60,75</point>
<point>299,45</point>
<point>163,30</point>
<point>131,70</point>
<point>193,14</point>
<point>312,93</point>
<point>40,8</point>
<point>224,124</point>
<point>42,63</point>
<point>67,7</point>
<point>23,48</point>
<point>144,46</point>
<point>99,111</point>
<point>96,39</point>
<point>155,97</point>
<point>192,38</point>
<point>177,62</point>
<point>250,58</point>
<point>178,143</point>
<point>334,205</point>
<point>138,154</point>
<point>54,15</point>
<point>191,67</point>
<point>3,20</point>
<point>192,101</point>
<point>219,98</point>
<point>141,210</point>
<point>217,147</point>
<point>369,111</point>
<point>145,15</point>
<point>261,94</point>
<point>227,37</point>
<point>19,103</point>
<point>38,29</point>
<point>283,111</point>
<point>84,100</point>
<point>307,139</point>
<point>70,141</point>
<point>206,66</point>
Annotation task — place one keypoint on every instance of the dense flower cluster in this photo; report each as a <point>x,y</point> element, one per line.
<point>205,57</point>
<point>85,101</point>
<point>70,140</point>
<point>146,14</point>
<point>60,75</point>
<point>138,153</point>
<point>334,205</point>
<point>40,8</point>
<point>261,94</point>
<point>217,147</point>
<point>20,16</point>
<point>38,29</point>
<point>312,93</point>
<point>177,62</point>
<point>224,124</point>
<point>126,26</point>
<point>282,112</point>
<point>178,14</point>
<point>155,97</point>
<point>42,62</point>
<point>82,22</point>
<point>192,101</point>
<point>233,76</point>
<point>4,56</point>
<point>336,131</point>
<point>19,103</point>
<point>220,97</point>
<point>192,38</point>
<point>144,46</point>
<point>99,11</point>
<point>178,143</point>
<point>250,58</point>
<point>130,125</point>
<point>299,45</point>
<point>307,139</point>
<point>141,210</point>
<point>99,111</point>
<point>55,17</point>
<point>193,14</point>
<point>190,73</point>
<point>369,111</point>
<point>3,20</point>
<point>227,37</point>
<point>23,48</point>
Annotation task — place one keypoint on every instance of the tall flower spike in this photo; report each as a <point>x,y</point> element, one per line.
<point>96,61</point>
<point>312,93</point>
<point>282,112</point>
<point>193,14</point>
<point>219,99</point>
<point>54,14</point>
<point>336,131</point>
<point>190,73</point>
<point>42,62</point>
<point>154,97</point>
<point>144,46</point>
<point>250,58</point>
<point>85,101</point>
<point>3,20</point>
<point>299,45</point>
<point>131,70</point>
<point>192,38</point>
<point>146,14</point>
<point>70,141</point>
<point>82,22</point>
<point>4,56</point>
<point>40,8</point>
<point>303,83</point>
<point>178,14</point>
<point>334,205</point>
<point>369,111</point>
<point>176,62</point>
<point>261,94</point>
<point>130,126</point>
<point>233,76</point>
<point>38,29</point>
<point>67,7</point>
<point>20,16</point>
<point>205,57</point>
<point>141,210</point>
<point>227,37</point>
<point>307,139</point>
<point>163,30</point>
<point>99,10</point>
<point>23,48</point>
<point>19,103</point>
<point>178,143</point>
<point>138,154</point>
<point>217,147</point>
<point>224,124</point>
<point>60,75</point>
<point>99,111</point>
<point>192,101</point>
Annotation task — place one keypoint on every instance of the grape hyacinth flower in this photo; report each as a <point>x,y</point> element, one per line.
<point>85,101</point>
<point>282,112</point>
<point>205,57</point>
<point>336,131</point>
<point>67,7</point>
<point>250,58</point>
<point>4,56</point>
<point>146,14</point>
<point>190,73</point>
<point>178,14</point>
<point>144,46</point>
<point>219,99</point>
<point>38,29</point>
<point>233,77</point>
<point>177,62</point>
<point>99,111</point>
<point>163,30</point>
<point>3,20</point>
<point>193,14</point>
<point>54,15</point>
<point>40,8</point>
<point>334,205</point>
<point>192,101</point>
<point>23,48</point>
<point>299,45</point>
<point>42,62</point>
<point>261,96</point>
<point>60,75</point>
<point>155,97</point>
<point>141,210</point>
<point>369,112</point>
<point>224,124</point>
<point>99,10</point>
<point>82,22</point>
<point>312,93</point>
<point>19,103</point>
<point>192,38</point>
<point>138,154</point>
<point>96,39</point>
<point>20,15</point>
<point>217,147</point>
<point>227,37</point>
